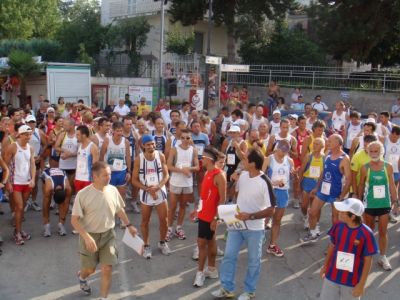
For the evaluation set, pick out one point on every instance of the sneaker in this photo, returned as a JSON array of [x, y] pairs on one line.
[[318, 230], [220, 252], [164, 248], [268, 225], [180, 234], [211, 274], [75, 232], [35, 206], [195, 255], [384, 263], [52, 204], [309, 238], [147, 252], [83, 284], [170, 234], [246, 296], [18, 239], [306, 224], [392, 218], [57, 212], [296, 204], [46, 230], [61, 229], [275, 250], [199, 279], [135, 207], [28, 205], [222, 293], [25, 236]]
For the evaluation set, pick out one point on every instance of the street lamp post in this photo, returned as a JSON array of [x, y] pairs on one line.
[[161, 60], [208, 53]]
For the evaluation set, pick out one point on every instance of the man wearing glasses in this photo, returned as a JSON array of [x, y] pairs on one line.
[[182, 163]]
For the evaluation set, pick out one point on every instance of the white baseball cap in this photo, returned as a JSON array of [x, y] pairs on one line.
[[293, 116], [234, 128], [50, 109], [276, 111], [30, 118], [352, 205], [370, 120], [24, 129]]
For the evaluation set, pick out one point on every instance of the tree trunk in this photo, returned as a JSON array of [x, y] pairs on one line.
[[22, 93], [231, 45]]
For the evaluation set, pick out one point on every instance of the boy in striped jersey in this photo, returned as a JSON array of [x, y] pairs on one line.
[[349, 258]]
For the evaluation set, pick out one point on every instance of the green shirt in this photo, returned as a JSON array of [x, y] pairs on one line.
[[377, 188]]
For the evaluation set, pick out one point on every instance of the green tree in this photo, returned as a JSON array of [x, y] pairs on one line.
[[350, 29], [129, 36], [49, 50], [227, 12], [27, 19], [179, 43], [22, 65], [81, 25], [281, 46]]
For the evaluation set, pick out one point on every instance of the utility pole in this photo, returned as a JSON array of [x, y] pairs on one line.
[[208, 53], [161, 59]]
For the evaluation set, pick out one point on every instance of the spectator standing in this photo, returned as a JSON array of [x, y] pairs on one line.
[[318, 104]]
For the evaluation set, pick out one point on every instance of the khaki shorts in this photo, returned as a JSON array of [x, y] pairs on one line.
[[177, 190], [106, 251]]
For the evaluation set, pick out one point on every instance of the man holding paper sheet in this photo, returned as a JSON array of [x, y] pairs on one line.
[[93, 216], [255, 202]]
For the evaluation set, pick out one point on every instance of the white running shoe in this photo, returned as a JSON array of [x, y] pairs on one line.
[[384, 263], [246, 296], [61, 229], [195, 255], [306, 224], [35, 206], [318, 229], [211, 274], [164, 248], [135, 207], [199, 279], [46, 230], [28, 205], [220, 252], [147, 252], [222, 293]]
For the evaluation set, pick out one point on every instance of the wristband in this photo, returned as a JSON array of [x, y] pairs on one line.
[[129, 225]]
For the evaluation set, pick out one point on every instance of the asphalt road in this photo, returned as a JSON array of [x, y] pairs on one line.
[[45, 268]]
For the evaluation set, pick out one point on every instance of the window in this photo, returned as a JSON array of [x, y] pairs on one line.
[[131, 7], [198, 42]]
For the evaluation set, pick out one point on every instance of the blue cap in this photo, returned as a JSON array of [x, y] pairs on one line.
[[147, 138]]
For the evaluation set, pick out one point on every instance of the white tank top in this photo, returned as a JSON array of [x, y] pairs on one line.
[[392, 153], [279, 171], [184, 158], [351, 134], [151, 173], [71, 145], [275, 128], [116, 155], [84, 163], [338, 121], [22, 163], [35, 142], [279, 138], [100, 139], [309, 124]]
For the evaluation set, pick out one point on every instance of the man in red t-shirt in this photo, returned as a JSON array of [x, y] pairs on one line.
[[212, 194]]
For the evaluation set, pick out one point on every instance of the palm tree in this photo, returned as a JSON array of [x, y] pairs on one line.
[[22, 65]]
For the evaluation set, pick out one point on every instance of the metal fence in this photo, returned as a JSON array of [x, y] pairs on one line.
[[314, 77]]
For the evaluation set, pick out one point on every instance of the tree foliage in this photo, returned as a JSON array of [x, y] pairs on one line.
[[227, 12], [50, 50], [179, 43], [129, 36], [28, 19], [353, 29], [81, 25], [260, 44]]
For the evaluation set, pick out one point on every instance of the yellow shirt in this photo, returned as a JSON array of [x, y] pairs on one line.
[[263, 149], [143, 107], [315, 167], [359, 159]]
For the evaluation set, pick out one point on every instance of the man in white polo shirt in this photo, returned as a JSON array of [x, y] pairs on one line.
[[255, 202], [318, 104], [121, 109]]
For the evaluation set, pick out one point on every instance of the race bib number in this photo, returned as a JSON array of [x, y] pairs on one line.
[[231, 159], [236, 225], [151, 179], [118, 164], [345, 261], [326, 188], [379, 191], [82, 167], [200, 149], [200, 207], [315, 172]]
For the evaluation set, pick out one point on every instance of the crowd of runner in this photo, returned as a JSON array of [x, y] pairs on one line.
[[251, 155]]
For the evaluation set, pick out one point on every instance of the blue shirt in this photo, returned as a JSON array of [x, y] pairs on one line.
[[200, 142]]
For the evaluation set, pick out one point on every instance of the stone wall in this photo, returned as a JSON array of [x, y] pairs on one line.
[[363, 101]]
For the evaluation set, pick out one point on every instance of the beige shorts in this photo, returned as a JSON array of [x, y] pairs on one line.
[[177, 190], [106, 250]]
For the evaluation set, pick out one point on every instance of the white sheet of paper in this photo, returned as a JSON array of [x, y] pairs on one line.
[[345, 261], [136, 243], [227, 213]]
